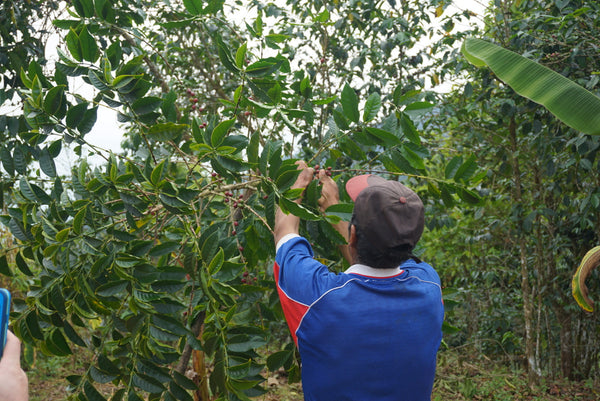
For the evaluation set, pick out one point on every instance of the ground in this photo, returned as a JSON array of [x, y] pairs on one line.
[[459, 377]]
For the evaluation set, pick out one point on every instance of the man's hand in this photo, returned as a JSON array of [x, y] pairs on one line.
[[13, 380], [288, 223], [330, 194], [305, 176]]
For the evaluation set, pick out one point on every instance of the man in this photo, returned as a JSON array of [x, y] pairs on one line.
[[372, 332], [13, 380]]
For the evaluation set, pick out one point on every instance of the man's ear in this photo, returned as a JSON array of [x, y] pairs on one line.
[[352, 239]]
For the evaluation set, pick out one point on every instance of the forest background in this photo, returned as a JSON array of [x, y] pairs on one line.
[[150, 272]]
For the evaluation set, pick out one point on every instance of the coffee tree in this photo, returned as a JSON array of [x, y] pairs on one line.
[[158, 261]]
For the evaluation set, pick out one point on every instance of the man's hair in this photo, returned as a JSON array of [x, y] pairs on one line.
[[370, 256]]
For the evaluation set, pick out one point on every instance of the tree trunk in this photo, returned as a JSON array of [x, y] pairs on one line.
[[533, 369]]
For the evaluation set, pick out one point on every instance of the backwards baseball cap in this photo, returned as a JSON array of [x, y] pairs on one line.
[[386, 212]]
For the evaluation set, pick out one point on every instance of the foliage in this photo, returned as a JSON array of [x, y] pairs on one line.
[[162, 254], [540, 216]]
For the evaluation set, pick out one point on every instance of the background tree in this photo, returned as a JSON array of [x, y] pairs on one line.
[[546, 172]]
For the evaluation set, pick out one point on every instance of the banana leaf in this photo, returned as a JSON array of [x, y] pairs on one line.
[[590, 261], [570, 103]]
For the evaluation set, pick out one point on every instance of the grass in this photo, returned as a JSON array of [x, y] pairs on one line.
[[460, 376]]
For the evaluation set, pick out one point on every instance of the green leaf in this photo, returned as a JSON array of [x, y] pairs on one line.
[[164, 132], [372, 107], [105, 10], [112, 288], [452, 167], [386, 136], [324, 101], [240, 55], [413, 158], [22, 265], [157, 173], [409, 129], [217, 262], [350, 104], [466, 170], [73, 45], [194, 7], [225, 55], [341, 210], [447, 328], [85, 8], [7, 161], [244, 343], [75, 115], [54, 99], [290, 206], [100, 376], [469, 196], [78, 220], [263, 67], [4, 268], [61, 347], [47, 163], [278, 359], [164, 248], [146, 105], [569, 102], [89, 119], [89, 47], [169, 324], [418, 106], [33, 326], [91, 393], [97, 79], [221, 131]]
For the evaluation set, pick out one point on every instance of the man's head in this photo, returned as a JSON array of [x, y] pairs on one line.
[[388, 220]]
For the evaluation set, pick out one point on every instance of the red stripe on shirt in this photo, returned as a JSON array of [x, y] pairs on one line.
[[293, 310]]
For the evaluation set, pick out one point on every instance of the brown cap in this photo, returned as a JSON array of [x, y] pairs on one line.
[[386, 212]]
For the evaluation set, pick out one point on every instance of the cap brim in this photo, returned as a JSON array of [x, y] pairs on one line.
[[356, 184]]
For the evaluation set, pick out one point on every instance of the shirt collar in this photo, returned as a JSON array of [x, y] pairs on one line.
[[364, 270]]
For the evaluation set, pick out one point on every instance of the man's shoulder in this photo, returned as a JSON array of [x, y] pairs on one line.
[[422, 270]]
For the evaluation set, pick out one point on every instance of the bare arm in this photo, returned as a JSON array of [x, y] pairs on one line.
[[288, 223], [330, 195]]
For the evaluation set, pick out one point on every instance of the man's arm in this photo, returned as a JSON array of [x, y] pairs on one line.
[[288, 223], [330, 195]]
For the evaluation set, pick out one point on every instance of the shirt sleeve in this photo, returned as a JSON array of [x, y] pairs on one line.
[[301, 280], [299, 275]]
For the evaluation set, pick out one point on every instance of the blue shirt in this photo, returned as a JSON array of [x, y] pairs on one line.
[[365, 334]]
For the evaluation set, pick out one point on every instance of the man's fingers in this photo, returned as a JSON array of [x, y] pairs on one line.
[[323, 176], [12, 351], [301, 164]]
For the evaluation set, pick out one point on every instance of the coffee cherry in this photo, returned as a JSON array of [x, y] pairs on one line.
[[233, 232], [236, 223]]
